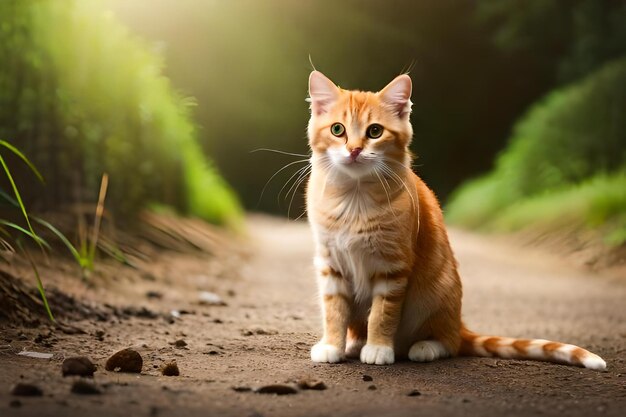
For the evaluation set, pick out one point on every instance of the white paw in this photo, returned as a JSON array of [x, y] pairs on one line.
[[376, 354], [353, 348], [325, 353], [427, 351]]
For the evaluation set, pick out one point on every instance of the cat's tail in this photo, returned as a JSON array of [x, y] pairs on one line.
[[535, 349]]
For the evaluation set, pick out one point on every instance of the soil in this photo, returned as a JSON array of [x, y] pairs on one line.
[[239, 321]]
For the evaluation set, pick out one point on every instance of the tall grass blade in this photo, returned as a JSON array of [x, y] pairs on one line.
[[8, 198], [63, 239], [40, 288], [32, 235], [19, 200], [98, 220], [23, 157]]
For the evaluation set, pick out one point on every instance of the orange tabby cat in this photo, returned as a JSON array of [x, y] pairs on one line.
[[386, 272]]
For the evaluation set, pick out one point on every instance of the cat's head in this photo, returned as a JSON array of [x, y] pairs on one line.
[[359, 133]]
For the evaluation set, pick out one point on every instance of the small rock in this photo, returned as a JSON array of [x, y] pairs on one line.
[[367, 378], [277, 389], [85, 388], [315, 385], [26, 390], [258, 331], [372, 387], [99, 334], [15, 403], [211, 299], [154, 295], [241, 389], [170, 369], [78, 365], [126, 360], [414, 393], [180, 343]]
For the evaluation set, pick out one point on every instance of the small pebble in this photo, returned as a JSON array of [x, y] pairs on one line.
[[15, 403], [170, 369], [126, 360], [312, 385], [372, 387], [78, 365], [154, 294], [367, 378], [414, 393], [277, 389], [85, 388], [26, 390], [180, 343], [210, 298], [241, 389]]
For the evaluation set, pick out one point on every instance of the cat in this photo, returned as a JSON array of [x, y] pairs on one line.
[[386, 273]]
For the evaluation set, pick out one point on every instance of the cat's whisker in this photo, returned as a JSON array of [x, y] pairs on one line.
[[388, 188], [278, 172], [395, 175], [297, 174], [386, 192], [278, 151], [299, 182], [304, 172]]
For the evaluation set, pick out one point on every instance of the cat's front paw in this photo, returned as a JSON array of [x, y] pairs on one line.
[[377, 354], [325, 353]]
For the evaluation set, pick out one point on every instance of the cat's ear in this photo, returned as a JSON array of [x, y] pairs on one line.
[[322, 93], [397, 95]]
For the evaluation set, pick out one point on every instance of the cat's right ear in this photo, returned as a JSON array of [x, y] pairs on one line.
[[322, 93]]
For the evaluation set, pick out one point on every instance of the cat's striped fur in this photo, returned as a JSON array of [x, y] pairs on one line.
[[386, 273]]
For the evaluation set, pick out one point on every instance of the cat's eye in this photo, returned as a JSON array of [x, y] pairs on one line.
[[337, 129], [374, 131]]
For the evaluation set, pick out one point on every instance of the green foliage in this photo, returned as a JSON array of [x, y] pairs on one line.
[[567, 157], [20, 204], [83, 96]]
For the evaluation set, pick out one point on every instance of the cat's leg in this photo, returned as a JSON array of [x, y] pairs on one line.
[[357, 333], [388, 297], [444, 340], [336, 307]]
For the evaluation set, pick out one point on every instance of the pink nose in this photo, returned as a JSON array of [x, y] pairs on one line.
[[354, 153]]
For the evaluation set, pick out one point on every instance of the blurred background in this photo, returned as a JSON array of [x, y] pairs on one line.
[[518, 110]]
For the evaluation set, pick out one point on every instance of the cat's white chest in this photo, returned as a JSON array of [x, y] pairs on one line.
[[357, 257]]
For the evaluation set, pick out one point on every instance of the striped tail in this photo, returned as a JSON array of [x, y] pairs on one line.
[[536, 349]]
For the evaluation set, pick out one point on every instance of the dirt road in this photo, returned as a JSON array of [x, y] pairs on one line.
[[264, 334]]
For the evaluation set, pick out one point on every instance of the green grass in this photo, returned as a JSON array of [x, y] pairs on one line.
[[598, 203], [30, 232], [565, 165], [81, 91]]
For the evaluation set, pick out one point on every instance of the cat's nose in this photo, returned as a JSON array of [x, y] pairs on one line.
[[354, 153]]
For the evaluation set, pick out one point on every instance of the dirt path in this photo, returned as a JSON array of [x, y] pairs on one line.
[[264, 334]]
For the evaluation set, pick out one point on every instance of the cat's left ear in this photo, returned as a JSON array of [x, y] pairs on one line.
[[397, 95], [322, 93]]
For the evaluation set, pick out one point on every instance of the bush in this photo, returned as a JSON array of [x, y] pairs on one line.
[[575, 136], [82, 96]]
